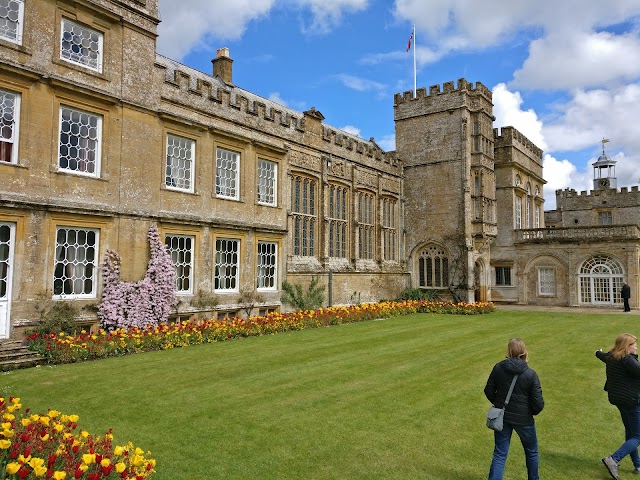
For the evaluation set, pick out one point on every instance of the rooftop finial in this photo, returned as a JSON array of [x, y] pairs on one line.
[[603, 141]]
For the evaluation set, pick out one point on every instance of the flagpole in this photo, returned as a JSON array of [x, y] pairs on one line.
[[414, 60]]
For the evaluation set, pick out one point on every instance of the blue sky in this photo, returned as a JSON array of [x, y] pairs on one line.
[[566, 73]]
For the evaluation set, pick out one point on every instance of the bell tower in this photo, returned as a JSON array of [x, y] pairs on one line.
[[604, 171]]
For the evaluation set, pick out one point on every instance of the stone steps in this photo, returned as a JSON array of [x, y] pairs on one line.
[[14, 354]]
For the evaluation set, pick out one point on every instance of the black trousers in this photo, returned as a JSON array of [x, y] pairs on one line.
[[626, 305]]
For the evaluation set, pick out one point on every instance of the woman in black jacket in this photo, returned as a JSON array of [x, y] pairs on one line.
[[526, 401], [623, 390]]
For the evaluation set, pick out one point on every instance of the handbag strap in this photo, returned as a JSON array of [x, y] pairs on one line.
[[513, 383]]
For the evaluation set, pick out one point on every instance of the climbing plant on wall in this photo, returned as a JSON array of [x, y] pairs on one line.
[[138, 304]]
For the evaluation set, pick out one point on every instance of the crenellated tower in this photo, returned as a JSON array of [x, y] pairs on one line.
[[444, 137]]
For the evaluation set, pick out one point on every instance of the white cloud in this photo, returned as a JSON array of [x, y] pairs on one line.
[[387, 142], [275, 97], [590, 115], [327, 13], [559, 174], [189, 24], [350, 129], [564, 61], [508, 112], [362, 84]]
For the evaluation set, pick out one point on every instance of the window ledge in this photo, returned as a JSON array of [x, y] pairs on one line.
[[80, 68]]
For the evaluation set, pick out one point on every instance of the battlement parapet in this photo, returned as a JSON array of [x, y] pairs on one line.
[[358, 145], [447, 88], [511, 137], [611, 197], [204, 92]]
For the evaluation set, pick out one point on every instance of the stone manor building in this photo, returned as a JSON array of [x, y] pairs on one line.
[[102, 138]]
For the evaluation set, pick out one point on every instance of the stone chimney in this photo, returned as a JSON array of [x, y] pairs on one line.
[[222, 66]]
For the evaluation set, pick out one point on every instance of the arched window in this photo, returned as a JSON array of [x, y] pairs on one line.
[[601, 279], [433, 267]]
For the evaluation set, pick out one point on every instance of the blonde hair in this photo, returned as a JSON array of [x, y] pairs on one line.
[[517, 349], [623, 342]]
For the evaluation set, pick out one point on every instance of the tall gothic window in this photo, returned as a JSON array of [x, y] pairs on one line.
[[389, 228], [303, 206], [337, 221], [433, 267], [366, 215]]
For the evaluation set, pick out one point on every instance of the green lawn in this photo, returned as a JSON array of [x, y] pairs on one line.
[[393, 399]]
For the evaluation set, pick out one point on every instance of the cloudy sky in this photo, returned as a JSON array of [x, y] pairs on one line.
[[566, 73]]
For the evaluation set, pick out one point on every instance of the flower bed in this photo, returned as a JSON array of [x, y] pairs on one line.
[[61, 348], [35, 446]]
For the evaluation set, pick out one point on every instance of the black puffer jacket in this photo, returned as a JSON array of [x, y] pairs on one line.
[[526, 399], [623, 379]]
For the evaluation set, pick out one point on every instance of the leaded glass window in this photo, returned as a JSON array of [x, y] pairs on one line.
[[366, 224], [180, 163], [227, 173], [337, 221], [546, 281], [11, 20], [389, 228], [180, 249], [267, 265], [433, 267], [227, 264], [80, 138], [303, 201], [75, 263], [267, 182], [9, 123], [81, 45]]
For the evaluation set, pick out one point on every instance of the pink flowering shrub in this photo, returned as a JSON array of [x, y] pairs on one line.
[[143, 303]]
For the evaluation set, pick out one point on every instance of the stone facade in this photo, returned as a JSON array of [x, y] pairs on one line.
[[103, 141]]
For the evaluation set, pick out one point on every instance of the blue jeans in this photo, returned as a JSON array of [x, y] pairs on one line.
[[631, 420], [529, 439]]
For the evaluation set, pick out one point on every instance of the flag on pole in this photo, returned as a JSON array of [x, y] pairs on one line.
[[410, 40]]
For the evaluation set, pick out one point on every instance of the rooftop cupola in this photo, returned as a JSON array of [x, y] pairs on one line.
[[604, 171]]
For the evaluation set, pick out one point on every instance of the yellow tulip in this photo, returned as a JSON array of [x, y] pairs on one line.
[[73, 418], [118, 451], [44, 420], [89, 458], [137, 461], [53, 413], [7, 433], [45, 438], [15, 401], [9, 416], [59, 475], [84, 467], [84, 434], [4, 444], [105, 462], [58, 427], [120, 467], [25, 422], [12, 467]]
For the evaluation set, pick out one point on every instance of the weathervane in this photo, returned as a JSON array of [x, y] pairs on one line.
[[603, 141]]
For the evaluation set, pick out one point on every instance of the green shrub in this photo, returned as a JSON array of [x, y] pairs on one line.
[[418, 294], [58, 317], [295, 296]]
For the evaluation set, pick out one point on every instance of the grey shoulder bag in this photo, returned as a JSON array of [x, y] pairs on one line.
[[495, 416]]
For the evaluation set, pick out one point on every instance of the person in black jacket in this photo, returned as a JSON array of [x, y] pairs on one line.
[[623, 390], [625, 293], [526, 401]]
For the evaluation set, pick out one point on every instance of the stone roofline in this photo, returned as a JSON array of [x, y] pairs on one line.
[[195, 82], [447, 88], [572, 193], [510, 136]]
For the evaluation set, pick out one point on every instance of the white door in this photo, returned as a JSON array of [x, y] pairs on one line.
[[7, 232]]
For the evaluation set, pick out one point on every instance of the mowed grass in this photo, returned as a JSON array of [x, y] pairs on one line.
[[400, 398]]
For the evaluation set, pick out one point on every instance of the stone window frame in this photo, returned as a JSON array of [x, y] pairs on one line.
[[547, 283], [304, 216], [61, 258], [266, 193], [233, 183], [338, 205], [14, 141], [366, 223], [604, 214], [184, 265], [19, 22], [527, 207], [518, 212], [226, 274], [267, 273], [433, 267], [503, 275], [64, 27], [169, 178], [98, 140], [390, 228]]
